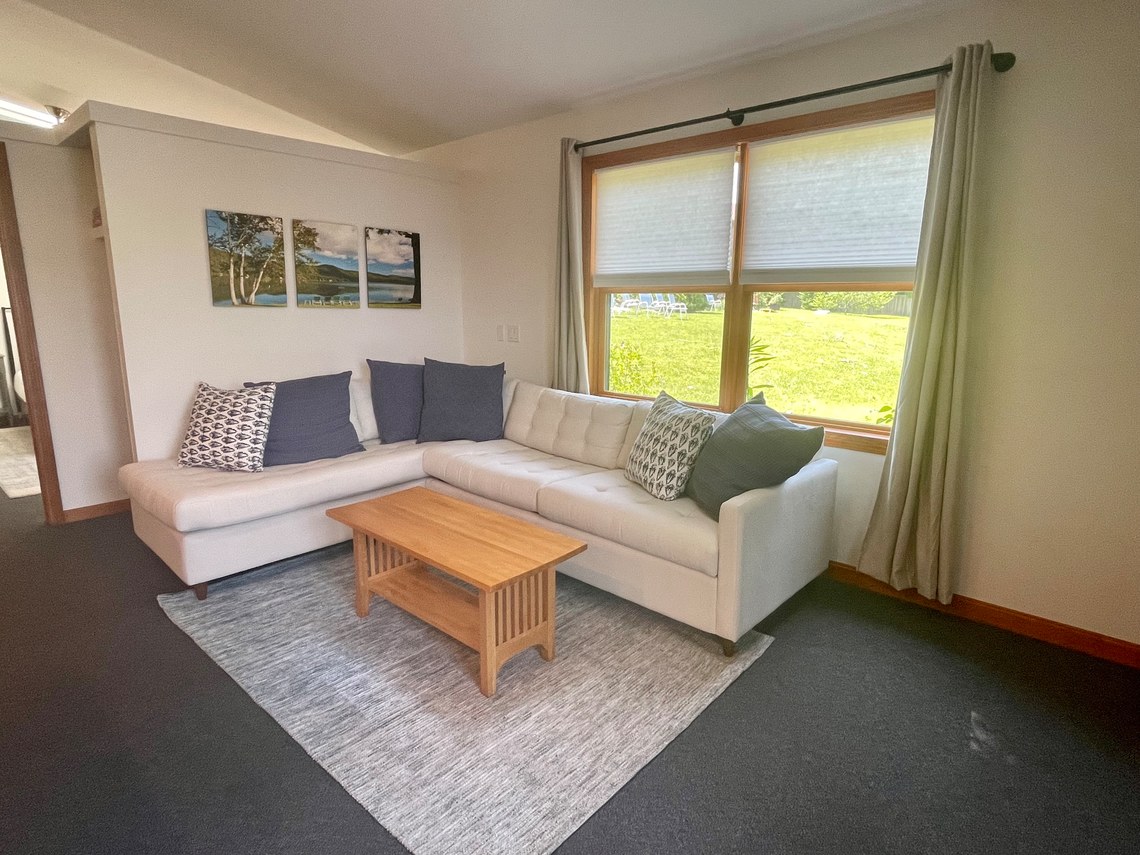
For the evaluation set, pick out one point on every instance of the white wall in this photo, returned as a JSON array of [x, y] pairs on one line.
[[156, 187], [1050, 520], [54, 190]]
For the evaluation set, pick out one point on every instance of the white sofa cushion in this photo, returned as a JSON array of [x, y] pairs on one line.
[[636, 423], [361, 412], [608, 505], [193, 499], [579, 427], [501, 470]]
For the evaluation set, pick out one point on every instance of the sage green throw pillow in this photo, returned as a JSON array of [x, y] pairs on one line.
[[754, 447]]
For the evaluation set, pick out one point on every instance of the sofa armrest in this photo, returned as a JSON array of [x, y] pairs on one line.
[[773, 541]]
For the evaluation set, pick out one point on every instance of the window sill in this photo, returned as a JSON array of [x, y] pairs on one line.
[[855, 440], [869, 440]]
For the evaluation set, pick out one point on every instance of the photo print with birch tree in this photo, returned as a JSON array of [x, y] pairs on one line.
[[247, 259], [326, 259]]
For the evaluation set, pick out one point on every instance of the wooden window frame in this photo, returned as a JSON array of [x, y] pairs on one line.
[[737, 296]]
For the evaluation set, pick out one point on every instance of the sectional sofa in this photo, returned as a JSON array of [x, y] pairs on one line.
[[560, 464]]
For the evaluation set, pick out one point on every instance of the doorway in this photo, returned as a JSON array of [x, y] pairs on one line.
[[24, 420]]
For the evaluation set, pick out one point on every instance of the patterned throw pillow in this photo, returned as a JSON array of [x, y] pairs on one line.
[[228, 428], [665, 449]]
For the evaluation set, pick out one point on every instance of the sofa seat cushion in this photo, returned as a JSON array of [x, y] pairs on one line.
[[501, 470], [609, 506], [193, 499]]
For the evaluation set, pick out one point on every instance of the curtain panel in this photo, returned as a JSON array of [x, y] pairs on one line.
[[912, 534], [570, 364]]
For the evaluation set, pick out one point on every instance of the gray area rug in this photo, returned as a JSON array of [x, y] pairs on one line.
[[18, 475], [391, 708]]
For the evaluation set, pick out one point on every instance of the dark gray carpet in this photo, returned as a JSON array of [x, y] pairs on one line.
[[869, 725]]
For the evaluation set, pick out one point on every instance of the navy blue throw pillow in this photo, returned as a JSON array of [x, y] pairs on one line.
[[397, 399], [310, 420], [754, 447], [461, 402]]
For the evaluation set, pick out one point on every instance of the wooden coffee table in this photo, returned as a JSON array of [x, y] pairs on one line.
[[510, 563]]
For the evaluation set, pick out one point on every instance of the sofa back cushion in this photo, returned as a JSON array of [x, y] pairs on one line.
[[636, 422], [362, 415], [579, 427]]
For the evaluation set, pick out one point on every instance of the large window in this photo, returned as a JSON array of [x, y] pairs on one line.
[[777, 257]]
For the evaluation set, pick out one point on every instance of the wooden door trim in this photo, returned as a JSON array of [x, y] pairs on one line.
[[14, 271]]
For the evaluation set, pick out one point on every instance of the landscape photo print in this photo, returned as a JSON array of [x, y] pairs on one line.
[[393, 268], [247, 259], [326, 260]]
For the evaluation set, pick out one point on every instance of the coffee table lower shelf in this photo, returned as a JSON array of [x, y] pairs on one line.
[[496, 623]]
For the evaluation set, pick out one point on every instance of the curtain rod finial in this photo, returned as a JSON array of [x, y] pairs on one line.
[[1003, 61]]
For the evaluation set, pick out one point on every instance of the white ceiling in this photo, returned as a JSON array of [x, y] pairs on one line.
[[401, 75]]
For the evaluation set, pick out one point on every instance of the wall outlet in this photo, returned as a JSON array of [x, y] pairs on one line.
[[512, 332], [499, 332]]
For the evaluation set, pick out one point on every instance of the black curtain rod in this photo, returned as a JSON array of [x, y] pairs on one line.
[[1001, 62]]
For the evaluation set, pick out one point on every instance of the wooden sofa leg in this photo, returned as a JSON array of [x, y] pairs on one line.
[[729, 647], [200, 590]]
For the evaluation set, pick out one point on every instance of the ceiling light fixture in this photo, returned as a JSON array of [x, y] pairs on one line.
[[14, 111]]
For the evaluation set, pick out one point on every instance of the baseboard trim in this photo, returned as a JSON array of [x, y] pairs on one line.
[[1070, 637], [90, 512]]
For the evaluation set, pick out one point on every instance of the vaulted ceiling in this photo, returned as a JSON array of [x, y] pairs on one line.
[[401, 75]]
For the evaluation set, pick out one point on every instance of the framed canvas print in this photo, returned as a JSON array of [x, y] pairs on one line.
[[326, 260], [393, 268], [247, 259]]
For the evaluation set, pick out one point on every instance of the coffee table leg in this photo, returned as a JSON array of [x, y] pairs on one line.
[[546, 649], [361, 553], [488, 640]]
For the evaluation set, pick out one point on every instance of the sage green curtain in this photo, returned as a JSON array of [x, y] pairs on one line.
[[911, 539], [570, 365]]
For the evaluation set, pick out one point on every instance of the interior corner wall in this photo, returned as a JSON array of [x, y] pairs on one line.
[[55, 192], [156, 188], [1050, 512]]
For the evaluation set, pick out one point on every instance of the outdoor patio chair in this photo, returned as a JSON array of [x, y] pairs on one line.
[[649, 303], [623, 303]]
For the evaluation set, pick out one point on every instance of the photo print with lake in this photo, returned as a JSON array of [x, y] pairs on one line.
[[326, 259], [393, 268], [247, 259]]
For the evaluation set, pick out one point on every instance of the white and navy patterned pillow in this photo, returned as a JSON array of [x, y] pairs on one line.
[[666, 448], [228, 428]]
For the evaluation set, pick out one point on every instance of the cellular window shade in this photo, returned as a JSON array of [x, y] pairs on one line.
[[665, 222], [837, 206]]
